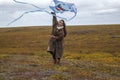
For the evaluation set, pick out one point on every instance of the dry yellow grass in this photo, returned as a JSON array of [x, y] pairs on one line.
[[91, 53]]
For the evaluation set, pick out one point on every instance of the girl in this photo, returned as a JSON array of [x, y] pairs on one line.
[[55, 47]]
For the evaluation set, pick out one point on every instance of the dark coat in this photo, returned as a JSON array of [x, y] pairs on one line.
[[56, 45]]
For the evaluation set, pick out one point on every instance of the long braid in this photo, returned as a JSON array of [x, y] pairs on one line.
[[65, 31]]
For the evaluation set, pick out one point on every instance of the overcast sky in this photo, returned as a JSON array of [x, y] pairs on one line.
[[89, 12]]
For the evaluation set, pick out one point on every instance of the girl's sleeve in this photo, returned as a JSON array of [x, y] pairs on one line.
[[54, 20]]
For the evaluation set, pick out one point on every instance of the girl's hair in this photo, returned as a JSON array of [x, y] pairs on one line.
[[64, 25]]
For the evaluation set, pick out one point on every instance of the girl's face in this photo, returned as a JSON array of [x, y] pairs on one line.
[[60, 23]]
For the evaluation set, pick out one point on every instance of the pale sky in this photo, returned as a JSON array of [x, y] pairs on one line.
[[89, 12]]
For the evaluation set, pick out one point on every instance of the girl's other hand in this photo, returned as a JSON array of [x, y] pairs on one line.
[[54, 36]]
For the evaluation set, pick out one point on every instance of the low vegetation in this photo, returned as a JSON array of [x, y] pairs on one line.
[[90, 53]]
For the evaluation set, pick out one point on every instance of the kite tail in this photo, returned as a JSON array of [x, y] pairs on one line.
[[27, 13], [40, 9], [27, 3], [22, 16], [72, 17]]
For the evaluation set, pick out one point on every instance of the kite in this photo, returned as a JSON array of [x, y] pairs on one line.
[[58, 7], [61, 7]]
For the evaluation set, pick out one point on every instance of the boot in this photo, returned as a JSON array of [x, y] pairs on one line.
[[58, 61], [55, 61]]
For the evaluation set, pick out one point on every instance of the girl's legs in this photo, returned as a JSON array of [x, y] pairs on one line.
[[54, 57], [56, 60]]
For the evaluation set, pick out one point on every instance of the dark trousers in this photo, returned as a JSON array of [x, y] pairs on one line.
[[53, 54]]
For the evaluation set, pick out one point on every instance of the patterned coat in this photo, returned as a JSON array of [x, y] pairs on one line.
[[56, 45]]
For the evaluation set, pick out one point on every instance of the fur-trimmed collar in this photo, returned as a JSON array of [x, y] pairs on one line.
[[60, 27]]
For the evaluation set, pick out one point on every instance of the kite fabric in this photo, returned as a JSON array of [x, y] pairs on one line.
[[59, 7]]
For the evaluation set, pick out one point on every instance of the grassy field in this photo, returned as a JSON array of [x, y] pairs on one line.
[[90, 53]]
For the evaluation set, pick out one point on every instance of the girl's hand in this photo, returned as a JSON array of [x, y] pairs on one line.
[[54, 36], [52, 12]]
